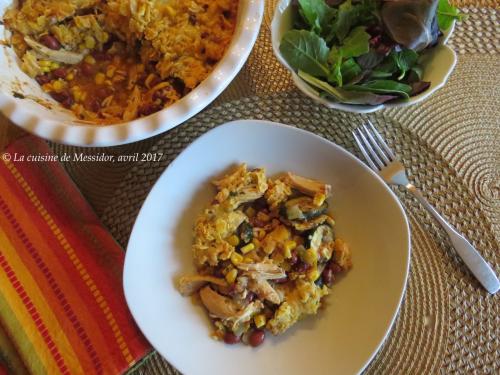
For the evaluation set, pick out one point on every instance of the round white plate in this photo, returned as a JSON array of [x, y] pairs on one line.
[[341, 339]]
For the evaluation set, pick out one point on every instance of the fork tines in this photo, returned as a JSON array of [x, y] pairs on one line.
[[372, 145]]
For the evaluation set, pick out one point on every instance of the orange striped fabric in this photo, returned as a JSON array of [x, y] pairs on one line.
[[62, 309]]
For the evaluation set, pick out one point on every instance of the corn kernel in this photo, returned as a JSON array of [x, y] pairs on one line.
[[248, 260], [110, 72], [54, 65], [233, 240], [231, 276], [310, 257], [250, 212], [259, 320], [58, 85], [44, 63], [100, 78], [259, 233], [89, 60], [236, 258], [45, 69], [89, 42], [319, 199], [263, 217], [289, 246], [256, 242], [70, 77], [313, 275], [247, 248]]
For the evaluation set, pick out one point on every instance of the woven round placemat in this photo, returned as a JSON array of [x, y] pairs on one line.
[[447, 321]]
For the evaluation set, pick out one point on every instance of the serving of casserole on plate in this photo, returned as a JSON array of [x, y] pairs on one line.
[[266, 254]]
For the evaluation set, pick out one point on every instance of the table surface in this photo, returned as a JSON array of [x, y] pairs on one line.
[[460, 123]]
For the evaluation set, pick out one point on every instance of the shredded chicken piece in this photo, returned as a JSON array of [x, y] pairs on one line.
[[264, 290], [189, 285], [268, 271], [306, 185], [219, 306], [61, 55]]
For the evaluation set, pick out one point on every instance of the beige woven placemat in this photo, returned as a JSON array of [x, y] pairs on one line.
[[438, 327], [447, 323]]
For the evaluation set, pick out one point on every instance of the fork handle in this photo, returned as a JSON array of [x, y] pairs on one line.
[[471, 257]]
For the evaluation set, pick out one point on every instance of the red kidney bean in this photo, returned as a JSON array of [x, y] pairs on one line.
[[335, 268], [94, 105], [149, 109], [327, 276], [294, 259], [60, 73], [103, 92], [256, 337], [301, 267], [230, 338], [102, 56], [50, 41], [87, 69], [42, 79], [63, 97]]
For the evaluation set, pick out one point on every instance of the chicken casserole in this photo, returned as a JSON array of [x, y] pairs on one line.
[[110, 61], [265, 252]]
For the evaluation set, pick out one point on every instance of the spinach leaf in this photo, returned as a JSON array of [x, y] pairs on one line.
[[306, 51], [404, 60], [446, 13], [335, 59], [317, 14], [357, 43], [349, 16], [416, 74], [350, 70], [382, 87]]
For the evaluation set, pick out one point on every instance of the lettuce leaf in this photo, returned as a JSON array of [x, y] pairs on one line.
[[306, 51], [446, 14]]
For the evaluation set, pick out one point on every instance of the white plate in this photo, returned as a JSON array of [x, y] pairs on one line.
[[362, 306], [438, 63], [60, 125]]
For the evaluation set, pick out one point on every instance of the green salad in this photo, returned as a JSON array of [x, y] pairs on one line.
[[364, 51]]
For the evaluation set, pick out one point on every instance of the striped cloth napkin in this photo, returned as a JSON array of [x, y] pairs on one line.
[[62, 308]]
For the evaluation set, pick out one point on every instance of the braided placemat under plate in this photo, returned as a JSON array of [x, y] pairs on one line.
[[447, 321]]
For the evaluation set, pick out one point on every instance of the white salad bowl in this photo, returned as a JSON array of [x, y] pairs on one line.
[[23, 101], [344, 336], [437, 62]]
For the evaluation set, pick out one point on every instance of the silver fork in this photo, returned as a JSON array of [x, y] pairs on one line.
[[383, 161]]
